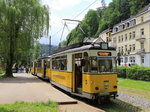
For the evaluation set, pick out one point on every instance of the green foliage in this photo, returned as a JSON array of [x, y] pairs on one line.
[[1, 71], [21, 22], [36, 52], [121, 71], [137, 5], [30, 107], [134, 72], [97, 21], [89, 25]]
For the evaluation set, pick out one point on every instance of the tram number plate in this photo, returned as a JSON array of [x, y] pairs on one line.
[[103, 93]]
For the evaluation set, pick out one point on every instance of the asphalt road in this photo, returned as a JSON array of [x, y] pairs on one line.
[[28, 88]]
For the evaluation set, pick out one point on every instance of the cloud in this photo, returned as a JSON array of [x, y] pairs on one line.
[[61, 4]]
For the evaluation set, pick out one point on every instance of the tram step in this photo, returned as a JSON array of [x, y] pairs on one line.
[[79, 90], [77, 94]]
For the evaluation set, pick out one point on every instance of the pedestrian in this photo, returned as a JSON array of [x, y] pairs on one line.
[[16, 66], [129, 64], [20, 68], [27, 69]]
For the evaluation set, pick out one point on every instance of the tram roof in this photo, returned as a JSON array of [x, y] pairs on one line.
[[44, 57], [81, 47]]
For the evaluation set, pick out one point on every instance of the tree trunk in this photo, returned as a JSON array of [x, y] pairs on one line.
[[9, 63], [9, 69]]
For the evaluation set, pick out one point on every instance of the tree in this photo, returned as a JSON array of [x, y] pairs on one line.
[[89, 25], [21, 21], [36, 50], [137, 5]]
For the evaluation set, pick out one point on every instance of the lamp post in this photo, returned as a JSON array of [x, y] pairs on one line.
[[118, 58]]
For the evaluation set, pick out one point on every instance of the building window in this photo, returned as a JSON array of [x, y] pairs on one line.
[[133, 34], [142, 45], [122, 38], [119, 39], [126, 37], [128, 24], [142, 31], [134, 22], [116, 29], [122, 50], [123, 26], [119, 49], [142, 19], [130, 47], [133, 46], [126, 48], [121, 60], [132, 59], [142, 59], [130, 35], [126, 59], [114, 40]]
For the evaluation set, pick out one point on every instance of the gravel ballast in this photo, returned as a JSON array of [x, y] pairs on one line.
[[134, 100]]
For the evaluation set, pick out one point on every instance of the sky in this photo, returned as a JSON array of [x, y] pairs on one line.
[[66, 9]]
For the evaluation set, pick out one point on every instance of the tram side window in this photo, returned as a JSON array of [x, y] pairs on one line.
[[47, 64], [39, 63], [93, 63], [35, 64], [32, 64], [53, 64], [59, 63], [63, 64]]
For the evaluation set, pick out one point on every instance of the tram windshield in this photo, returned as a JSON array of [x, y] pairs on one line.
[[102, 64]]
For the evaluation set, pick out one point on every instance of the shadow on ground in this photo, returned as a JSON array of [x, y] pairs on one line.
[[21, 79]]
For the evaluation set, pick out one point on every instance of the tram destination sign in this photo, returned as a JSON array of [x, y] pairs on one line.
[[104, 53]]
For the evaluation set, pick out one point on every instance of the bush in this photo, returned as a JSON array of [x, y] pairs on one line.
[[122, 71], [134, 72], [1, 71]]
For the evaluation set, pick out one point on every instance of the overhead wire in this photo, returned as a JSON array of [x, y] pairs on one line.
[[85, 9], [73, 18]]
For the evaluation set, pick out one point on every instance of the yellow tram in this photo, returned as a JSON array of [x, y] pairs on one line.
[[41, 67], [84, 69]]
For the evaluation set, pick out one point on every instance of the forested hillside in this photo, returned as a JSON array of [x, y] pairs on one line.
[[95, 21], [46, 50]]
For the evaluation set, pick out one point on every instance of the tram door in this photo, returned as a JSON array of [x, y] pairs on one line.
[[44, 68], [77, 73]]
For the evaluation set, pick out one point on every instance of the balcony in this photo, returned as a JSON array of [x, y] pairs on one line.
[[141, 38], [140, 51]]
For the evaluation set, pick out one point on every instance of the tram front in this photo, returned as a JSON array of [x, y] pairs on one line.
[[99, 74]]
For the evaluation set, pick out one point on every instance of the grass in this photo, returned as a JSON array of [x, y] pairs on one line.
[[135, 87], [30, 107], [135, 84], [1, 73]]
